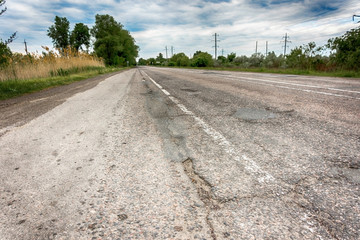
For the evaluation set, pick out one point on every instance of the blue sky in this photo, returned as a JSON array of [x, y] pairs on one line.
[[189, 25]]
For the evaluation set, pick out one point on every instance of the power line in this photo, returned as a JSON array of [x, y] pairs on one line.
[[166, 49], [286, 37], [356, 16], [26, 50], [266, 52], [216, 45]]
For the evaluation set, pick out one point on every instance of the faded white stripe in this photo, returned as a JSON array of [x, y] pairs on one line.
[[250, 165]]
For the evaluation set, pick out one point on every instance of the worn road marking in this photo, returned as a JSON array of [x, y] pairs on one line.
[[251, 80], [250, 165]]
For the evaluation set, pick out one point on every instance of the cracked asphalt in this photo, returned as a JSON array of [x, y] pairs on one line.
[[160, 153]]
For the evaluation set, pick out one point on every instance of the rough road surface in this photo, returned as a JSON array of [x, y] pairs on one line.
[[156, 153]]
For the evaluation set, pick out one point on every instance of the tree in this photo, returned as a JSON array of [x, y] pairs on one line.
[[142, 61], [272, 61], [80, 36], [151, 61], [59, 32], [2, 2], [346, 49], [5, 51], [180, 59], [202, 59], [112, 42], [222, 59], [231, 57], [160, 58], [296, 58]]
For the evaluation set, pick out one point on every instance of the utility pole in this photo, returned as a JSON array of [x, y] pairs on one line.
[[172, 51], [26, 50], [166, 49], [266, 52], [222, 52], [216, 45], [256, 48], [286, 41], [356, 16]]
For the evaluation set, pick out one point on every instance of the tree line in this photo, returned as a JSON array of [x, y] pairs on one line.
[[343, 53], [112, 42], [4, 49]]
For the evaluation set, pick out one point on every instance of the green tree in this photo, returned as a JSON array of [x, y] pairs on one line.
[[222, 59], [142, 61], [180, 59], [2, 2], [272, 61], [346, 49], [80, 36], [151, 61], [160, 59], [59, 33], [296, 58], [202, 59], [112, 42], [5, 52], [231, 57]]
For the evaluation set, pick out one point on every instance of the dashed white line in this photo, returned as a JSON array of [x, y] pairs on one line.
[[251, 80], [250, 165]]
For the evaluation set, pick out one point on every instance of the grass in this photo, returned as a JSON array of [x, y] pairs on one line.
[[34, 72], [18, 87], [47, 64]]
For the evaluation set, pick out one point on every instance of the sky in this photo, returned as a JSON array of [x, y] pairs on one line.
[[189, 25]]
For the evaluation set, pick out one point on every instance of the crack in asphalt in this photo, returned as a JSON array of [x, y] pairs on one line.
[[203, 188]]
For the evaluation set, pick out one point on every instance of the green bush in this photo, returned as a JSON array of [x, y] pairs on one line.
[[202, 59]]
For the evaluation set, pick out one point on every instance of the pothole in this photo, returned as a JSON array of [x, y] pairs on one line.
[[254, 114], [190, 91]]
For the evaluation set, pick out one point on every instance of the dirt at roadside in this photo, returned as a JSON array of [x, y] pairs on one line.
[[20, 110]]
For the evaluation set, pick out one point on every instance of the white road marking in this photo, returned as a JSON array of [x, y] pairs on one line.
[[343, 90], [295, 84], [250, 165], [247, 79], [298, 89]]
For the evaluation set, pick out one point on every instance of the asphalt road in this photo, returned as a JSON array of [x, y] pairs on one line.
[[157, 153]]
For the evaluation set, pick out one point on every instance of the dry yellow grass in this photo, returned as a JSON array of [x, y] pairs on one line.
[[48, 64]]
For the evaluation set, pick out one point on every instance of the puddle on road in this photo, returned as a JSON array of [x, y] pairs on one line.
[[254, 114]]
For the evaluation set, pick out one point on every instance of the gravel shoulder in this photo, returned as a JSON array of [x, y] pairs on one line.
[[20, 110]]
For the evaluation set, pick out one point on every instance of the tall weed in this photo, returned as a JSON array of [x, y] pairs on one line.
[[48, 64]]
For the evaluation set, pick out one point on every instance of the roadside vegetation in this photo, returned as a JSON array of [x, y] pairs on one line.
[[70, 60], [340, 57]]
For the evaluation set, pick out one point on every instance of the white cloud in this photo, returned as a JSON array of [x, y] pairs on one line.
[[188, 25]]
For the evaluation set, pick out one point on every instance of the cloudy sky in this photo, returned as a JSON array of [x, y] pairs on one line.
[[189, 25]]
